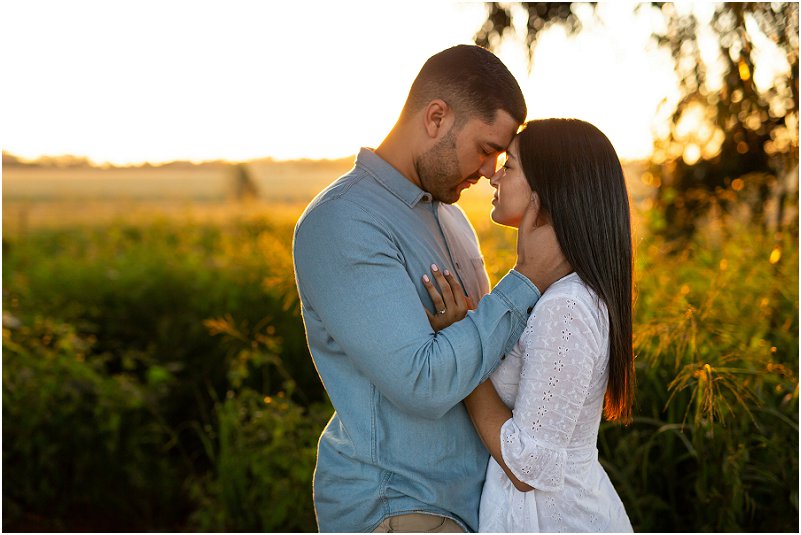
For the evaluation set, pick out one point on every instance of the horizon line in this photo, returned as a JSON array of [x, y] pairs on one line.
[[66, 160], [76, 160]]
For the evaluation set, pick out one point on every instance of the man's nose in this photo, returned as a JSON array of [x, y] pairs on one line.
[[489, 166]]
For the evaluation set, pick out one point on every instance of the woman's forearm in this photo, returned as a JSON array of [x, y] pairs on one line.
[[489, 414]]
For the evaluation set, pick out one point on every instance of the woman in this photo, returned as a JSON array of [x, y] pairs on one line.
[[574, 360]]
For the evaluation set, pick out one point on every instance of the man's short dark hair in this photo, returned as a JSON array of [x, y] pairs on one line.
[[472, 80]]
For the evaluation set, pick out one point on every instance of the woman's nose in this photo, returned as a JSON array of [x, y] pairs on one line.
[[496, 176]]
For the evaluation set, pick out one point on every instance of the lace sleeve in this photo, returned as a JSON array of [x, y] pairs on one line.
[[561, 347]]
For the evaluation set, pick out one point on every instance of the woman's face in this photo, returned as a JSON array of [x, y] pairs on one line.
[[512, 192]]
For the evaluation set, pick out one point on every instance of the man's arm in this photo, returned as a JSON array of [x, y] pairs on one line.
[[352, 275]]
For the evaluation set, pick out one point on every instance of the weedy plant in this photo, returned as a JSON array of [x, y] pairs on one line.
[[716, 338], [156, 377], [714, 442], [112, 364]]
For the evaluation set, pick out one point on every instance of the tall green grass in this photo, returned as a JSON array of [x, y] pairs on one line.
[[156, 377], [714, 442], [714, 446], [121, 376]]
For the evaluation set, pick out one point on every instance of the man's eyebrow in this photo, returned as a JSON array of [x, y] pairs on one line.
[[496, 147]]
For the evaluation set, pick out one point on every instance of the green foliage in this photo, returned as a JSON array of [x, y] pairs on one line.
[[714, 442], [262, 448], [118, 363], [82, 448], [725, 130], [729, 126], [716, 438], [145, 290], [156, 377], [263, 451]]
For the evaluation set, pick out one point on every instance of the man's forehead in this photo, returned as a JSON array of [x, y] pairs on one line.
[[497, 135]]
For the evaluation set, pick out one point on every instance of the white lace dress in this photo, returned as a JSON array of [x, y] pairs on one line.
[[554, 381]]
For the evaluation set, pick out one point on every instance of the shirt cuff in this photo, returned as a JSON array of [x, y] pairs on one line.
[[520, 293]]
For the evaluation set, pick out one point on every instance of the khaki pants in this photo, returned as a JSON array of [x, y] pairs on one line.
[[418, 523]]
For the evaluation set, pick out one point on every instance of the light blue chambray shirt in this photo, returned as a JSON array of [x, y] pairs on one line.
[[400, 440]]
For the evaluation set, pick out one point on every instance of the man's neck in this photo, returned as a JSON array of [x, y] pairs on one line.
[[396, 150]]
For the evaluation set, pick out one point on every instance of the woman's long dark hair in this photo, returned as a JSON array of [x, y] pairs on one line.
[[576, 173]]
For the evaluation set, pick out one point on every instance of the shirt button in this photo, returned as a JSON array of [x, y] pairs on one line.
[[503, 357], [530, 309]]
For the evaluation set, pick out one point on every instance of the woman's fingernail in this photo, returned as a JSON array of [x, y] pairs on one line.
[[434, 267], [447, 273], [425, 278]]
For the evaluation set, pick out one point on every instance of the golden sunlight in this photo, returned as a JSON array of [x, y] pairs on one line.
[[243, 82]]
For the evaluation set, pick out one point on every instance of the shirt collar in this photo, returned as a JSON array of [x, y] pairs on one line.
[[390, 178]]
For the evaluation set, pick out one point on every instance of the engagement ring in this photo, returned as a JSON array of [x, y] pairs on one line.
[[442, 311]]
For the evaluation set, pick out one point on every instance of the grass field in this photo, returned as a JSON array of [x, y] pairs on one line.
[[156, 376]]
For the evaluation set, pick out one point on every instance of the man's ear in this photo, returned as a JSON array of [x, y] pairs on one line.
[[437, 118]]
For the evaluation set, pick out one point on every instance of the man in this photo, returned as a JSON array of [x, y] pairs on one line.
[[400, 453]]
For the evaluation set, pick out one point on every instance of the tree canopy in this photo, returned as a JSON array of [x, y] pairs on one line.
[[729, 142]]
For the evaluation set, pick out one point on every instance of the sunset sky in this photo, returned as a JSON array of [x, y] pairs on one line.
[[128, 82]]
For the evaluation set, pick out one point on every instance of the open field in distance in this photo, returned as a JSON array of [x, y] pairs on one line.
[[52, 196]]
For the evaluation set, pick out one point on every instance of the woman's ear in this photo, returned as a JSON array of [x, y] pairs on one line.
[[543, 218]]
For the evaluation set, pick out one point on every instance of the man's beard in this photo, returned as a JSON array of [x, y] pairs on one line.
[[438, 169]]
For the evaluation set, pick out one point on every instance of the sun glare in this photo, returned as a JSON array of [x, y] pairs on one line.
[[247, 80], [602, 76]]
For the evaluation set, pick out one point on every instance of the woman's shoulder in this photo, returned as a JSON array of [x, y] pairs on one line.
[[570, 307], [572, 293]]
